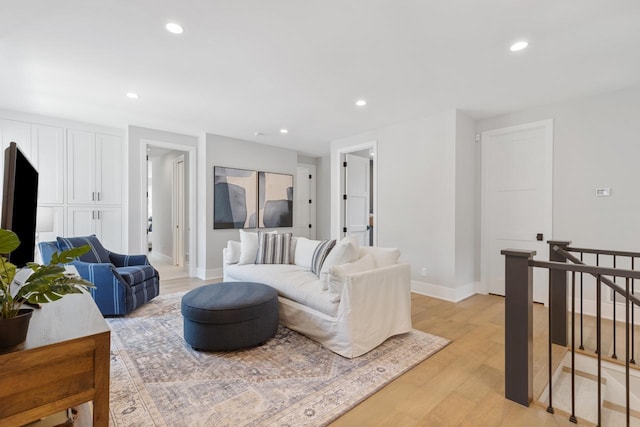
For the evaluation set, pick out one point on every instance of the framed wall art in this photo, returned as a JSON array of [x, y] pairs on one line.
[[234, 198], [275, 200]]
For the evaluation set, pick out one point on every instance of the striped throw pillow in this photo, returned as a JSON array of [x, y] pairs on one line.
[[273, 248], [320, 254]]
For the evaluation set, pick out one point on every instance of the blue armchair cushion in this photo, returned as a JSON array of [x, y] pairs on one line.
[[133, 275], [97, 253]]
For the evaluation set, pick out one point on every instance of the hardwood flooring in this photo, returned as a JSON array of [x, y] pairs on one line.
[[463, 384]]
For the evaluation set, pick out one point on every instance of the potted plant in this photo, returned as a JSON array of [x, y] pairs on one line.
[[45, 284]]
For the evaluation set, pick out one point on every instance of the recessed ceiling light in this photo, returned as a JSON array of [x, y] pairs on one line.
[[133, 95], [174, 28], [518, 46], [284, 131], [361, 102]]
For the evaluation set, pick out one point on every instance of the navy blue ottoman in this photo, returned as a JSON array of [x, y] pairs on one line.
[[229, 316]]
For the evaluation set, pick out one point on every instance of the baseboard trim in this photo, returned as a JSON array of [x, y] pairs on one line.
[[443, 292], [166, 259], [211, 274]]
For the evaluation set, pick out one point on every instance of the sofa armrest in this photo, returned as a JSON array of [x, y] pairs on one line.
[[120, 260], [379, 301], [96, 273]]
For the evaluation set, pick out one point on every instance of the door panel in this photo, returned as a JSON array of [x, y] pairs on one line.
[[302, 207], [357, 203], [109, 169], [48, 147], [81, 163], [517, 197]]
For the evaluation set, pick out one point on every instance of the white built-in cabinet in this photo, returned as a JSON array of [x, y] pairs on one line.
[[94, 186], [80, 178], [95, 168], [103, 221]]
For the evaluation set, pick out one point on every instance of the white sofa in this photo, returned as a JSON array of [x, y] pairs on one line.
[[348, 312]]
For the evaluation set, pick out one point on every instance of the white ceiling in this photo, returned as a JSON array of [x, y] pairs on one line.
[[245, 66]]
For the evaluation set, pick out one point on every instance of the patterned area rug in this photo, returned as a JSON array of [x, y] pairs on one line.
[[158, 380]]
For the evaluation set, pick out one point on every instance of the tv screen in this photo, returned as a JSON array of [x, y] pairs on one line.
[[19, 203]]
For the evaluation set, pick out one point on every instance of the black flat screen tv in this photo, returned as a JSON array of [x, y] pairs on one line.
[[19, 203]]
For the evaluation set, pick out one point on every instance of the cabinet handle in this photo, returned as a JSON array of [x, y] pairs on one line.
[[93, 214], [98, 214], [98, 196], [93, 196]]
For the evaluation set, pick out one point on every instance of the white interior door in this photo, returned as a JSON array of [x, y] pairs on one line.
[[178, 204], [516, 200], [357, 202]]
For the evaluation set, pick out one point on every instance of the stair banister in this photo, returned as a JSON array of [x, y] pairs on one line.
[[518, 325]]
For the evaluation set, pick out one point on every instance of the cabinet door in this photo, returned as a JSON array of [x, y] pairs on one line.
[[109, 169], [48, 146], [18, 132], [81, 173], [80, 221], [109, 228]]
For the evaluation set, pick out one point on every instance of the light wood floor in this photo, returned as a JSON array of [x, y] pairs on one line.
[[463, 384]]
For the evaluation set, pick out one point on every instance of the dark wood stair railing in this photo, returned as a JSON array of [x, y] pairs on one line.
[[519, 266]]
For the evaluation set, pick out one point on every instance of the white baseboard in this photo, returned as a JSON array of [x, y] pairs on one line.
[[211, 274], [443, 292], [162, 257]]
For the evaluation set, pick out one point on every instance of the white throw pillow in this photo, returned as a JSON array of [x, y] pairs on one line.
[[304, 251], [346, 250], [383, 256], [339, 273], [233, 252], [249, 246]]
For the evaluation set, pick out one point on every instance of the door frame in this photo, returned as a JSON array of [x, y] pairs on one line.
[[177, 204], [484, 191], [313, 195], [191, 156], [337, 216]]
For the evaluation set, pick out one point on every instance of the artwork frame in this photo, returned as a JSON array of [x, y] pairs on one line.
[[275, 200], [235, 197]]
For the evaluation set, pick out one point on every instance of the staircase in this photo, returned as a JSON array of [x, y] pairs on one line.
[[591, 387], [586, 391]]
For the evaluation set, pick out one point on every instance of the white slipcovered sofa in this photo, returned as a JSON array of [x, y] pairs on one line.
[[360, 297]]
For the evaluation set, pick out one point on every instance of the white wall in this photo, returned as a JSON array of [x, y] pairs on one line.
[[467, 235], [235, 153], [323, 190], [595, 145], [418, 179]]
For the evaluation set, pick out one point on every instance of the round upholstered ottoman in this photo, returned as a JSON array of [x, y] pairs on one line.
[[229, 316]]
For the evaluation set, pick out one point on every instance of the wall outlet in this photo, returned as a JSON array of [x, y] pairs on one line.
[[423, 272]]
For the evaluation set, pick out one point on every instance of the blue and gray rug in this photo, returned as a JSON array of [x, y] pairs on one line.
[[158, 380]]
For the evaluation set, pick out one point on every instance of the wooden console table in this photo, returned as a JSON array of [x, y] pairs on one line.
[[64, 362]]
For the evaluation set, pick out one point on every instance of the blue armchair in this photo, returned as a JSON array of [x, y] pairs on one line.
[[123, 282]]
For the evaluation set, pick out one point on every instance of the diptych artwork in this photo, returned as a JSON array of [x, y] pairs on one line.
[[275, 200], [249, 199], [234, 198]]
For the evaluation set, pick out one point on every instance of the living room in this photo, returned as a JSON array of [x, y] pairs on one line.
[[267, 88]]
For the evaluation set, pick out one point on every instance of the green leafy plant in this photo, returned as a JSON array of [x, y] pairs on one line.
[[45, 284]]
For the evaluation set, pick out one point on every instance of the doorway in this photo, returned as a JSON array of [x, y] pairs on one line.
[[516, 212], [357, 197], [169, 207]]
